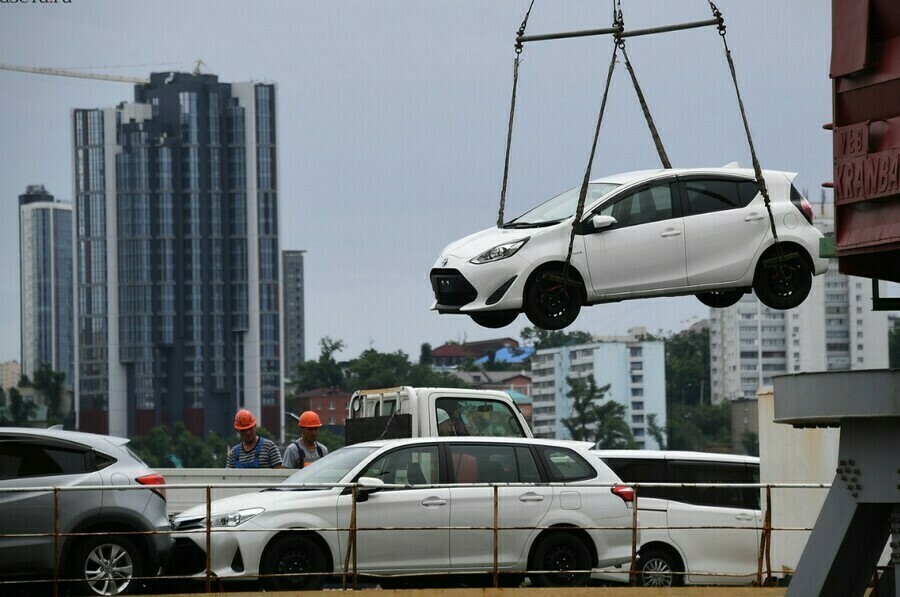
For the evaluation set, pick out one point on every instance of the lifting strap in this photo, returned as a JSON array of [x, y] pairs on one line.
[[512, 111], [760, 181], [620, 42]]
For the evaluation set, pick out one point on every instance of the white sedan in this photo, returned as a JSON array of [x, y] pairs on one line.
[[288, 531], [672, 232]]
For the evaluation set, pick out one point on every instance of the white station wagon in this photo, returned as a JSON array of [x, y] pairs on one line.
[[285, 530], [672, 232]]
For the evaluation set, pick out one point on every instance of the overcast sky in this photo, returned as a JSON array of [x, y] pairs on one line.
[[393, 120]]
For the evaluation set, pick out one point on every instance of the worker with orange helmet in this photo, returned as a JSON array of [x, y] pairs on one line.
[[306, 449], [252, 451]]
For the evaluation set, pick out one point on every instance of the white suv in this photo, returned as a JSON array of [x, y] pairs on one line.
[[672, 555], [672, 232], [287, 530]]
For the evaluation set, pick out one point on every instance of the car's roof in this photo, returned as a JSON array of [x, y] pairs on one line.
[[477, 439], [675, 455], [90, 439], [638, 175]]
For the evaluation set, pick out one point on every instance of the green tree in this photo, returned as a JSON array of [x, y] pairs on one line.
[[551, 339], [687, 368], [164, 449], [52, 385], [894, 348], [373, 369], [425, 357], [20, 409], [701, 427], [750, 441], [656, 432], [325, 372], [593, 420]]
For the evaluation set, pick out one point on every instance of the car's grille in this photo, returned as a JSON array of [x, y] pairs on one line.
[[186, 524], [451, 289], [187, 559]]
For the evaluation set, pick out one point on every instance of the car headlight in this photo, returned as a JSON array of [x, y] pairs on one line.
[[500, 252], [233, 519]]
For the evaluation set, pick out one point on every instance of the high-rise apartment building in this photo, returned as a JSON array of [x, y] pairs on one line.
[[834, 329], [293, 311], [176, 206], [633, 366], [45, 283]]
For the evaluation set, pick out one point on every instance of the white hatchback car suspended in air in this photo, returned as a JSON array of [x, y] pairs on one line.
[[643, 234]]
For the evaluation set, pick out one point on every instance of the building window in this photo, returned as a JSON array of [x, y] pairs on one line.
[[637, 406], [331, 405]]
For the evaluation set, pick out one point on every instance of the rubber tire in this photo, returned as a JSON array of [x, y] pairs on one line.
[[720, 299], [548, 305], [784, 286], [106, 545], [494, 319], [294, 554], [561, 551], [658, 560]]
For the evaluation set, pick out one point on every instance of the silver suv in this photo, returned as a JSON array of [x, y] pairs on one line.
[[97, 554]]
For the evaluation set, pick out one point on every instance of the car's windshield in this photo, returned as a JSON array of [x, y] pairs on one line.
[[331, 468], [561, 207]]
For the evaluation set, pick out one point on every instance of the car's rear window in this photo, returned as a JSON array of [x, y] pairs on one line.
[[565, 465]]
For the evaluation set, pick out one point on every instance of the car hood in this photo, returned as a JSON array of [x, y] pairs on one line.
[[269, 499], [476, 244]]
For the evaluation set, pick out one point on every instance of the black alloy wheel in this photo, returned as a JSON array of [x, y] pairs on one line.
[[563, 552], [550, 303], [784, 284], [294, 555], [720, 299]]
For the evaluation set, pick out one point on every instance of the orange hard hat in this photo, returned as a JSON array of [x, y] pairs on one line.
[[310, 419], [244, 419]]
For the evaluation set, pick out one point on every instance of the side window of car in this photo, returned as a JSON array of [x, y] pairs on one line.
[[635, 470], [565, 465], [474, 463], [649, 204], [416, 465], [711, 195], [21, 459], [714, 472], [528, 470]]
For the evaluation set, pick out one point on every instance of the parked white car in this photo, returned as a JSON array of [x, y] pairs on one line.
[[285, 530], [672, 232], [672, 555]]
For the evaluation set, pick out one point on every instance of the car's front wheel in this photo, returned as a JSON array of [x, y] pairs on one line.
[[295, 563], [566, 555], [658, 568], [108, 565], [494, 319], [782, 282], [720, 299], [550, 302]]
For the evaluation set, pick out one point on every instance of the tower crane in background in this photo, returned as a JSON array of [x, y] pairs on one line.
[[61, 72]]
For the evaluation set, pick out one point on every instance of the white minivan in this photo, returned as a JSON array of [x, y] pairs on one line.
[[673, 554]]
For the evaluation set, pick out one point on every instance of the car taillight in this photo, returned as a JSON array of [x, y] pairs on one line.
[[806, 208], [154, 479], [625, 492]]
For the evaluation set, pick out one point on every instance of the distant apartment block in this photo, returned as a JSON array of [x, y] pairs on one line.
[[45, 283], [10, 372], [294, 318], [331, 405], [177, 253], [834, 329], [633, 366]]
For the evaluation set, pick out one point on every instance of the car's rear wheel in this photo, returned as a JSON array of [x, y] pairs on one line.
[[782, 283], [108, 565], [659, 568], [495, 319], [720, 299], [295, 560], [563, 552], [551, 303]]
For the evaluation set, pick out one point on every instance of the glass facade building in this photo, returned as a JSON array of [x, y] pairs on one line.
[[294, 324], [45, 286], [177, 252]]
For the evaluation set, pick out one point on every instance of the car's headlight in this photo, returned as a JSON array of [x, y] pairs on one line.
[[500, 252], [233, 519]]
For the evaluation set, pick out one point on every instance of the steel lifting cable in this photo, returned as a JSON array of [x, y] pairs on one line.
[[512, 111], [760, 181], [620, 42]]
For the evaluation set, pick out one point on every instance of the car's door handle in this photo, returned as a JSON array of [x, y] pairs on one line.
[[670, 232], [433, 502], [753, 217], [531, 497], [743, 517]]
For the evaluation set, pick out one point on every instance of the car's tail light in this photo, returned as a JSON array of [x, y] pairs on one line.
[[154, 479], [807, 210], [625, 492]]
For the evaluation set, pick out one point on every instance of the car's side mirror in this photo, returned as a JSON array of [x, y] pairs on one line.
[[367, 486], [600, 222]]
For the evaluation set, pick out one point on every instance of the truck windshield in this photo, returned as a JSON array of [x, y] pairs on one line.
[[468, 416]]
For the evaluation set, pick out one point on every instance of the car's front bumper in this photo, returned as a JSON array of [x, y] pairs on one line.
[[463, 287], [234, 552]]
